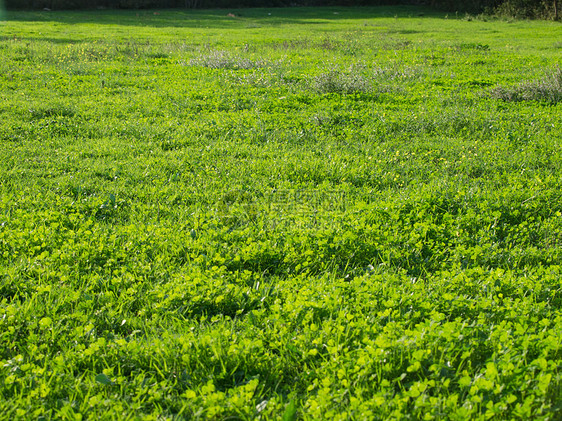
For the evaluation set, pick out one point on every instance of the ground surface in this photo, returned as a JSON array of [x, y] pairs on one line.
[[312, 213]]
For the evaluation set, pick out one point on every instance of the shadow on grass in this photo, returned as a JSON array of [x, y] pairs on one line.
[[222, 18]]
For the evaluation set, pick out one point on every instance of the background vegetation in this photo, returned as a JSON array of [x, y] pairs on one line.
[[516, 8]]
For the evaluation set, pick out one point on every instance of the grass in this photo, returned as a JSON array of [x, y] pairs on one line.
[[332, 213]]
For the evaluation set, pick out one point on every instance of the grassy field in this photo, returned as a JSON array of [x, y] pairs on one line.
[[347, 213]]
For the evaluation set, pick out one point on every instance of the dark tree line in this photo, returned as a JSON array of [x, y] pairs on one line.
[[144, 4], [519, 8]]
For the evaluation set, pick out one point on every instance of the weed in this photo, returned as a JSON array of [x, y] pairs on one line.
[[548, 89], [338, 82], [225, 60]]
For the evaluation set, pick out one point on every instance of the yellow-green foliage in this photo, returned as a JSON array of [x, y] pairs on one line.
[[303, 213]]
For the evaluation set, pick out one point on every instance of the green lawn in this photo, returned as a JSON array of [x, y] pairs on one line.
[[331, 213]]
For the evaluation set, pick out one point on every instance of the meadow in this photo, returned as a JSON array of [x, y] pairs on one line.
[[330, 213]]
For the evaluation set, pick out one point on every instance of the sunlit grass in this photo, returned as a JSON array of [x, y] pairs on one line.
[[313, 213]]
